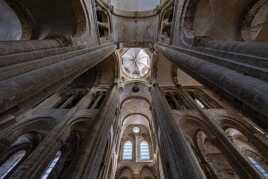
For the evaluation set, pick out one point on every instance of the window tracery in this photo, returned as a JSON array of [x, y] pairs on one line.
[[138, 148]]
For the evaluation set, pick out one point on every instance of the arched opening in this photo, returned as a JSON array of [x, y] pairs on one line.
[[217, 20], [191, 127], [166, 23], [72, 150], [10, 25], [11, 163], [248, 150], [171, 100], [135, 126], [60, 163], [203, 20], [17, 153], [70, 99], [255, 23], [103, 21], [38, 20], [51, 165], [124, 173], [65, 159], [137, 148], [80, 18], [146, 173], [214, 157]]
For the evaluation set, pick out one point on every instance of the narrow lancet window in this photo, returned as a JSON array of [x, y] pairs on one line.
[[127, 150], [259, 167], [199, 103], [51, 165], [11, 163], [144, 151]]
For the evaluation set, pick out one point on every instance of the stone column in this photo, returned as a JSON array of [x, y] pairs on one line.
[[21, 46], [227, 56], [21, 82], [38, 161], [176, 155], [251, 92], [248, 48], [94, 153], [239, 163], [92, 157]]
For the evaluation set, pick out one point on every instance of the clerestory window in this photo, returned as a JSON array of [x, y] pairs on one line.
[[259, 167], [9, 165], [51, 165], [144, 151], [127, 150]]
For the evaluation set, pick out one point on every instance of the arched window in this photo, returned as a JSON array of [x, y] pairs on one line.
[[144, 151], [11, 163], [127, 150], [248, 150], [10, 24], [211, 155], [103, 23], [259, 167], [51, 165]]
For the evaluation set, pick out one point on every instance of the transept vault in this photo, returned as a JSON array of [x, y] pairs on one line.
[[120, 89]]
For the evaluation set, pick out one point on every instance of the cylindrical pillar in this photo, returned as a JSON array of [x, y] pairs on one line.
[[177, 157], [9, 47], [98, 143], [22, 87], [251, 92]]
